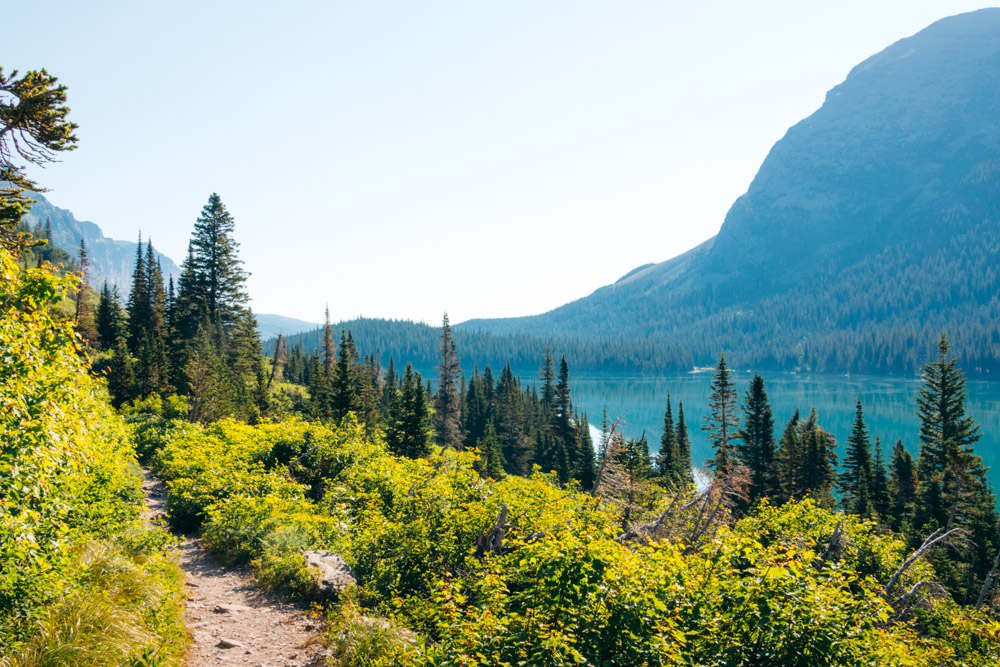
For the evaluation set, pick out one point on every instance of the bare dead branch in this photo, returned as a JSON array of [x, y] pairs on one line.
[[932, 539]]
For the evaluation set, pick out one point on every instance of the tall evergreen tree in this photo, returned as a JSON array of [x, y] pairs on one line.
[[447, 417], [722, 425], [111, 320], [902, 487], [666, 460], [517, 448], [856, 481], [756, 448], [683, 465], [586, 470], [413, 417], [790, 460], [564, 430], [818, 469], [344, 384], [952, 486], [85, 325], [881, 500]]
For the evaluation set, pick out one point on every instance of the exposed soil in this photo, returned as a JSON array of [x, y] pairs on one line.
[[230, 620]]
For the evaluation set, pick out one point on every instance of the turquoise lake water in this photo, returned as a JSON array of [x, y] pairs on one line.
[[889, 406]]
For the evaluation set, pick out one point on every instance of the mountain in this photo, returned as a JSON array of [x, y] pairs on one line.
[[110, 260], [269, 326], [872, 226]]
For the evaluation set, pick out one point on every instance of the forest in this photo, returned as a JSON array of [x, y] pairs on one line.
[[482, 523]]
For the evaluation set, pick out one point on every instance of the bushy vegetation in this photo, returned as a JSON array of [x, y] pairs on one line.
[[455, 569], [82, 581]]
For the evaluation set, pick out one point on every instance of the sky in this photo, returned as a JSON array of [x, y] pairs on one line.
[[404, 158]]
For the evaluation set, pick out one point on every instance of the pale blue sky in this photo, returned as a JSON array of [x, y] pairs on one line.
[[397, 159]]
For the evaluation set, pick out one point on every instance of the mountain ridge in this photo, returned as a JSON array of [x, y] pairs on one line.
[[832, 260]]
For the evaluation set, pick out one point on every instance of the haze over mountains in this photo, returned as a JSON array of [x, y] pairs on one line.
[[110, 260], [871, 227]]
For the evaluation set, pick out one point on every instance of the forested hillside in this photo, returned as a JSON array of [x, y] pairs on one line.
[[872, 226], [417, 343]]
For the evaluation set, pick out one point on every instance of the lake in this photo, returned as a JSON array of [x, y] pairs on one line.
[[889, 405]]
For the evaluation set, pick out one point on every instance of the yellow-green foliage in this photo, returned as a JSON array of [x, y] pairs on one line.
[[69, 485], [769, 590]]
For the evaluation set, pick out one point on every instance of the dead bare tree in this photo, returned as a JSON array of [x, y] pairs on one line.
[[280, 357], [937, 536]]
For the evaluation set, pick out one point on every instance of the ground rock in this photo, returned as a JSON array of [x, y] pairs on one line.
[[335, 574]]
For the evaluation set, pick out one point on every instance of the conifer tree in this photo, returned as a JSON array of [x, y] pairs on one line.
[[85, 325], [475, 411], [111, 320], [415, 442], [517, 448], [881, 500], [447, 417], [722, 425], [855, 482], [666, 460], [138, 307], [586, 470], [344, 384], [790, 460], [756, 448], [490, 463], [564, 430], [683, 465], [121, 375], [952, 486], [817, 473]]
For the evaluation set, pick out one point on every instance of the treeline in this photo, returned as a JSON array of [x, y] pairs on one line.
[[514, 426], [418, 343], [197, 338]]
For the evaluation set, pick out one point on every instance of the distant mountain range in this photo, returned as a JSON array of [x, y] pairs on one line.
[[110, 260], [871, 227], [270, 326]]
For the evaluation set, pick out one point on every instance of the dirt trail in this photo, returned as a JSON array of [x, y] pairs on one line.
[[231, 621]]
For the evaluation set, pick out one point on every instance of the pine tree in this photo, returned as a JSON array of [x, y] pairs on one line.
[[683, 465], [881, 500], [722, 425], [139, 317], [586, 470], [564, 430], [790, 460], [85, 325], [447, 417], [855, 482], [756, 448], [952, 487], [517, 448], [818, 472], [666, 460], [111, 320], [490, 463], [121, 375], [902, 487], [344, 384], [415, 442]]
